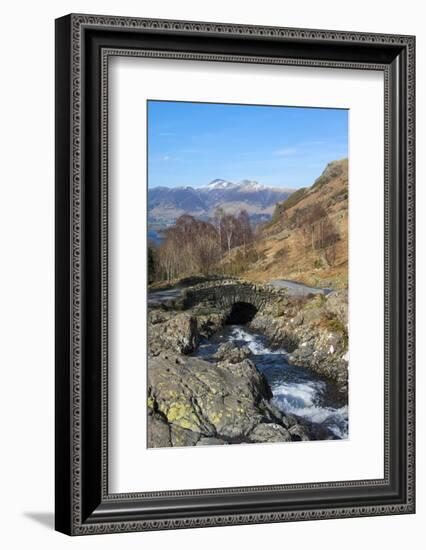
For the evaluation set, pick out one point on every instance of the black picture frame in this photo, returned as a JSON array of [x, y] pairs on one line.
[[83, 45]]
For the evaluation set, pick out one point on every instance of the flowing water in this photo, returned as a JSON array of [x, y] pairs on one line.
[[296, 390]]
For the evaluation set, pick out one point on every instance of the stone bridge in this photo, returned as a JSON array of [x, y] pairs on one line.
[[241, 297]]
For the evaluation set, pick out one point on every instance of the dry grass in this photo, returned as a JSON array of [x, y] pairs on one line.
[[286, 252]]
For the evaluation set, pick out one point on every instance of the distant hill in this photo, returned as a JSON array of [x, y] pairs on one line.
[[307, 238], [166, 204]]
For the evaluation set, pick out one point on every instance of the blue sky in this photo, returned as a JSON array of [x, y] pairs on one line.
[[194, 143]]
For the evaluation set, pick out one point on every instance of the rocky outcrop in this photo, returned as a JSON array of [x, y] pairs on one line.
[[159, 433], [232, 353], [175, 332], [314, 331], [180, 332], [193, 402]]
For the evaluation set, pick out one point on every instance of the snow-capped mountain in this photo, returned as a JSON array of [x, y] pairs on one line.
[[166, 204], [250, 185], [220, 184], [243, 185]]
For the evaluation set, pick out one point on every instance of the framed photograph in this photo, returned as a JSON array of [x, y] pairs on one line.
[[234, 274]]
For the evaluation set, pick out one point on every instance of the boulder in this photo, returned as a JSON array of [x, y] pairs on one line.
[[208, 399], [201, 401], [299, 433], [171, 332], [232, 353]]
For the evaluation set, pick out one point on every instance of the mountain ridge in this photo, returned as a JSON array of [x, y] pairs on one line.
[[306, 239], [166, 204]]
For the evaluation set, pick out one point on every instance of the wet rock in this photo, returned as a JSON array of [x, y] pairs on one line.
[[232, 353], [299, 433]]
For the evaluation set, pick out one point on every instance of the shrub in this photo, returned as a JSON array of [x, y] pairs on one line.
[[242, 261], [281, 253], [294, 198]]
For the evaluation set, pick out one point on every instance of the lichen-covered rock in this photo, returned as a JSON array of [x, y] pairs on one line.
[[199, 400], [183, 438], [174, 332], [179, 332], [158, 430], [205, 398]]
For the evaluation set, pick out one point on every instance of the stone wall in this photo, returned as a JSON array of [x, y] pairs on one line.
[[227, 292]]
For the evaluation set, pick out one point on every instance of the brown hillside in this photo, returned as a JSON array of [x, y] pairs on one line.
[[307, 239]]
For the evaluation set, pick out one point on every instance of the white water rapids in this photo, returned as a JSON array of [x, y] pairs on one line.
[[296, 390]]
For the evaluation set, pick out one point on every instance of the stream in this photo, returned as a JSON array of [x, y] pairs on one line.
[[296, 390]]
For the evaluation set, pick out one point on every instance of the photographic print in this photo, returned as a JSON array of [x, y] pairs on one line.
[[247, 274]]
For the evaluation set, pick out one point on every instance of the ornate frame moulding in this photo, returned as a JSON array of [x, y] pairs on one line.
[[84, 44]]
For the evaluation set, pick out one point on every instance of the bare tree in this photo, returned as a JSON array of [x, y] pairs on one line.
[[245, 230], [229, 227], [219, 214], [190, 247], [194, 246]]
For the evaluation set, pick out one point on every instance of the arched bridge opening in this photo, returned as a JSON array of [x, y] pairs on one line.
[[241, 313]]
